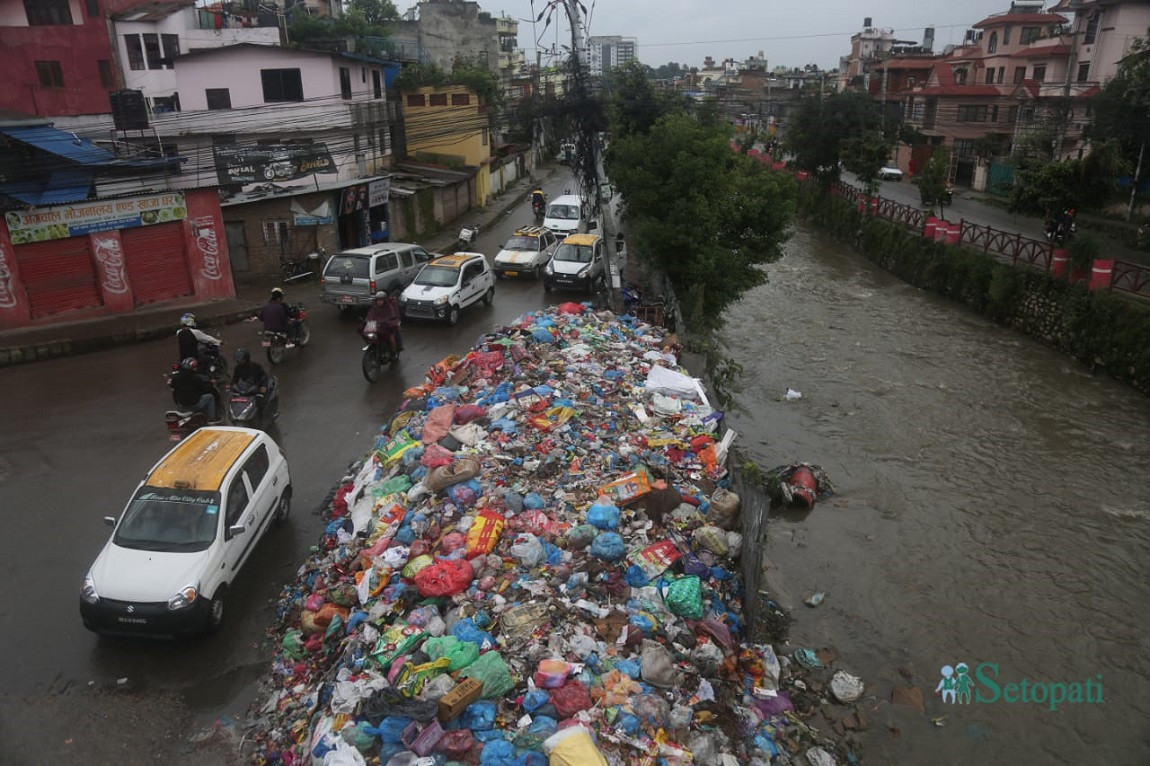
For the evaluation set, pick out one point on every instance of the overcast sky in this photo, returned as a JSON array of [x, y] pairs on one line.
[[788, 33]]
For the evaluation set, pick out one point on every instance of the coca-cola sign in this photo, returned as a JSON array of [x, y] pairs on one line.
[[111, 260], [7, 293], [207, 240]]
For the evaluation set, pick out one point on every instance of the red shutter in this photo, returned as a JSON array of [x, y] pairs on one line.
[[156, 263], [58, 276]]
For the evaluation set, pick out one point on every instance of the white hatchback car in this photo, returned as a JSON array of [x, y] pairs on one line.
[[526, 253], [890, 173], [447, 285], [188, 529]]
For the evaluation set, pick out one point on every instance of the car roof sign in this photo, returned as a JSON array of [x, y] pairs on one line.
[[202, 460]]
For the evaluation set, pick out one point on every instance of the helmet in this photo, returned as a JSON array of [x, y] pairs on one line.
[[189, 363], [380, 295], [277, 292], [243, 356], [188, 320]]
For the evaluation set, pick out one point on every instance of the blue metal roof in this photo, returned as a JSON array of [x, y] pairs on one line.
[[61, 143]]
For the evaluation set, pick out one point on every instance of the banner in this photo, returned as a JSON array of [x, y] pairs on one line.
[[377, 192], [63, 221], [353, 199], [271, 162]]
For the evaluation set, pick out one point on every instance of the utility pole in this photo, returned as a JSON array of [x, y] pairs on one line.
[[1134, 181]]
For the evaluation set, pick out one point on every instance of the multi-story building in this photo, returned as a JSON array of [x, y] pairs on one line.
[[1103, 31], [448, 126], [448, 30], [868, 46], [604, 53]]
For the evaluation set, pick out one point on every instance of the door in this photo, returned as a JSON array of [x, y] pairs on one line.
[[472, 283], [58, 276], [421, 257], [156, 263], [238, 511], [262, 483], [387, 273], [237, 245], [407, 266]]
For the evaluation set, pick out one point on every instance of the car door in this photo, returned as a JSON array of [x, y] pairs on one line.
[[237, 510], [387, 273], [470, 283], [420, 257], [263, 484], [407, 266], [549, 248]]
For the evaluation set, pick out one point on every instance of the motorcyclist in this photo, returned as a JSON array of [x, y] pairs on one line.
[[193, 390], [386, 312], [538, 198], [276, 317], [195, 343], [253, 374]]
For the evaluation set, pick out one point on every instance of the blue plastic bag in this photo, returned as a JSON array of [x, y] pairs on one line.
[[636, 577], [533, 501], [535, 698], [467, 630], [554, 554], [603, 515], [608, 546], [630, 667], [498, 752], [478, 716]]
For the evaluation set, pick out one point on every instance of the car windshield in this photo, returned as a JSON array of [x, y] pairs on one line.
[[172, 520], [522, 243], [564, 212], [437, 276], [349, 265], [573, 253]]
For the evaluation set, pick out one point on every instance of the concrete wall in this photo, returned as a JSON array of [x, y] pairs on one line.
[[450, 29]]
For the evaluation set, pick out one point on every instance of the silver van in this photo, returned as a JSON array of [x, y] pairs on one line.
[[352, 277]]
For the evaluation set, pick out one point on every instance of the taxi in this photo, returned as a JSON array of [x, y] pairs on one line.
[[526, 254]]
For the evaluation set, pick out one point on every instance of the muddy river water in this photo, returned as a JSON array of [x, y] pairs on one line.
[[992, 508]]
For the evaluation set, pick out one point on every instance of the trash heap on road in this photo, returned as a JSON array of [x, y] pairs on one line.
[[536, 564]]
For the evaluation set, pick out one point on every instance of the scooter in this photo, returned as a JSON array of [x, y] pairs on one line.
[[248, 407], [467, 236], [377, 354], [276, 343], [295, 269], [182, 422]]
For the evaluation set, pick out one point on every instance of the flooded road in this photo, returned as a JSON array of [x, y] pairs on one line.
[[992, 508]]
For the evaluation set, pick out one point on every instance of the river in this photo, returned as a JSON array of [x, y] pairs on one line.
[[992, 508]]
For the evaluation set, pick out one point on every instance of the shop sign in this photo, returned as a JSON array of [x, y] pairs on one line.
[[377, 192], [274, 162], [63, 221]]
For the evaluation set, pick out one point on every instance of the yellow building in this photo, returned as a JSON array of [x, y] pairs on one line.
[[448, 125]]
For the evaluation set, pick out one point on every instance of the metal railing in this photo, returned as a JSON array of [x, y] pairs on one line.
[[1007, 245]]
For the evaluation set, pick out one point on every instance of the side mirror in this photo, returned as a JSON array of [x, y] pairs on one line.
[[110, 521]]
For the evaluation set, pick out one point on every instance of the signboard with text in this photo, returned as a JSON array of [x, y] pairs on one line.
[[271, 162], [63, 221]]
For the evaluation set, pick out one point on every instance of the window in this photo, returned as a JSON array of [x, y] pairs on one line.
[[219, 98], [171, 45], [1012, 114], [438, 99], [1019, 74], [237, 499], [345, 83], [969, 113], [106, 78], [257, 466], [376, 85], [990, 75], [276, 232], [50, 74], [165, 104], [282, 85], [1006, 36], [48, 13], [385, 263], [406, 259], [960, 77], [1029, 35], [135, 52], [963, 147], [152, 51], [484, 134], [416, 99], [421, 255], [363, 74], [460, 99], [1091, 28], [994, 113], [1001, 74], [1084, 71], [93, 8], [992, 46], [1040, 72]]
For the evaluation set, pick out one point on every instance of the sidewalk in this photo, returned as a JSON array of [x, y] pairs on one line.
[[29, 344]]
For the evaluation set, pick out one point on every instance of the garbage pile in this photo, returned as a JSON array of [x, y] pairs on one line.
[[536, 564]]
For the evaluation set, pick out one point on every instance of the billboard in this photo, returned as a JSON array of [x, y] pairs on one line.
[[271, 162]]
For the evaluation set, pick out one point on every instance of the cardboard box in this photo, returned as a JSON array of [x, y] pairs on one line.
[[455, 701]]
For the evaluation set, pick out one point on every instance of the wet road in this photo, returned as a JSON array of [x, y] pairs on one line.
[[993, 507], [82, 431]]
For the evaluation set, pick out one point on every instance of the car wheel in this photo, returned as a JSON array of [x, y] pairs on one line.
[[284, 509], [216, 611], [489, 296], [453, 315]]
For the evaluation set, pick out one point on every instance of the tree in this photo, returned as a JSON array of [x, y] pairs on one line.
[[376, 13], [844, 128], [1043, 187], [1122, 111], [636, 104], [932, 181]]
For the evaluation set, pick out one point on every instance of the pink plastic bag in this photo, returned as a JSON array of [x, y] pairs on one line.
[[468, 413], [438, 422], [551, 674], [435, 455], [570, 698]]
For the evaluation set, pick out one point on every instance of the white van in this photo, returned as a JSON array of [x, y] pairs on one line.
[[564, 215]]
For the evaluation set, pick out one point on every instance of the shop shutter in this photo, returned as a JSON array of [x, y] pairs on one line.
[[58, 276], [156, 263]]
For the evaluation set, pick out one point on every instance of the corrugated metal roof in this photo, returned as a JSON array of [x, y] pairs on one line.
[[61, 143]]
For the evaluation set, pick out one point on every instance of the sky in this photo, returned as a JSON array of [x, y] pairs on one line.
[[791, 34]]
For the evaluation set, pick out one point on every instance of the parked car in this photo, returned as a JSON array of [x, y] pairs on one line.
[[186, 532], [448, 285], [526, 253], [579, 263], [352, 277], [564, 215], [890, 173]]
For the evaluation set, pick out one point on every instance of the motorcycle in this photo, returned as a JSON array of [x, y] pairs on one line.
[[467, 236], [276, 343], [377, 354], [295, 269], [537, 209], [181, 420], [248, 407]]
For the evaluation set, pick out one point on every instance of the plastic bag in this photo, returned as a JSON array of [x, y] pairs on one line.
[[465, 493], [570, 698], [444, 578], [527, 550], [466, 630], [459, 653], [437, 423], [608, 546], [442, 477], [658, 666], [684, 598], [581, 536], [417, 565], [724, 511], [551, 674], [573, 746], [478, 716], [712, 539], [484, 533], [468, 413], [603, 514], [492, 670]]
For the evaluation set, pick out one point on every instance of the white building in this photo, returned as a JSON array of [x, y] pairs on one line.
[[607, 52]]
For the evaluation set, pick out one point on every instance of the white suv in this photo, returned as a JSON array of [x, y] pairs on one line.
[[189, 527], [447, 285]]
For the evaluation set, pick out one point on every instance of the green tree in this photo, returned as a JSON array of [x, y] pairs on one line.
[[635, 104], [933, 178], [1122, 110], [844, 128], [1043, 187], [376, 13]]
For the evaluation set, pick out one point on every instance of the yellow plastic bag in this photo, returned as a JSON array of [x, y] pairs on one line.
[[572, 746]]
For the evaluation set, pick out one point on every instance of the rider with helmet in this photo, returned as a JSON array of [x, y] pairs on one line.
[[277, 317], [252, 373], [386, 312], [538, 199], [194, 342], [193, 390]]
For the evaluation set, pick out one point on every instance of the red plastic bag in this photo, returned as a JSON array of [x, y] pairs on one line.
[[444, 578], [570, 307], [438, 422], [468, 413], [456, 743], [570, 698], [435, 456]]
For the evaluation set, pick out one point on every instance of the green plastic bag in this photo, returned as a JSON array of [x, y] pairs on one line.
[[293, 645], [417, 565], [398, 483], [492, 670], [685, 598], [459, 653]]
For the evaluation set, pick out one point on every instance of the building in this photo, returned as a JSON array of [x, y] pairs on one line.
[[449, 30], [448, 126], [1103, 31], [868, 47], [604, 53]]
